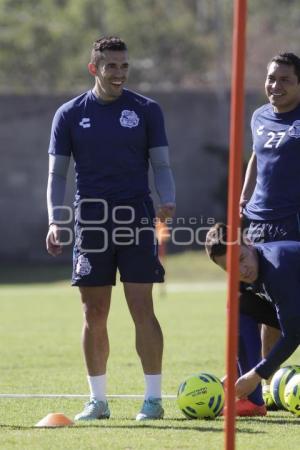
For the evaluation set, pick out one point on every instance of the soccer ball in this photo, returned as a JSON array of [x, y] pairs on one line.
[[268, 399], [292, 395], [201, 396], [279, 381]]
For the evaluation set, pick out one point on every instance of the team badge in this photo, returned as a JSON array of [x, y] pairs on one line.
[[294, 130], [129, 119], [83, 266]]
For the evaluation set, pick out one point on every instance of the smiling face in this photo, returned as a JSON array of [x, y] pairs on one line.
[[248, 263], [110, 74], [282, 87]]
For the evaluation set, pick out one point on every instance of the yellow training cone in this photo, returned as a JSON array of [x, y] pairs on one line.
[[53, 420]]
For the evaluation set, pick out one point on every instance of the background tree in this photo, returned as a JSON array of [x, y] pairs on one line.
[[45, 44]]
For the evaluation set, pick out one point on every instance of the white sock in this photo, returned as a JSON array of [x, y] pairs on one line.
[[153, 386], [97, 387]]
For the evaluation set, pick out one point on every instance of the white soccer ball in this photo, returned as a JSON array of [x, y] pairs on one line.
[[279, 381], [292, 395]]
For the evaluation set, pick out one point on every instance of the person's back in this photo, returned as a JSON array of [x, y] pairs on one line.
[[272, 269], [279, 276]]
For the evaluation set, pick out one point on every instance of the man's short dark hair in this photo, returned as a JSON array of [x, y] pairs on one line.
[[289, 59], [216, 240], [113, 43]]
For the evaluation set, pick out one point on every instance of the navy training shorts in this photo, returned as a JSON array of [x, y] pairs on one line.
[[115, 235], [284, 229]]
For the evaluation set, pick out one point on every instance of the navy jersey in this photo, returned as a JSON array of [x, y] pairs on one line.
[[276, 143], [279, 282], [109, 143]]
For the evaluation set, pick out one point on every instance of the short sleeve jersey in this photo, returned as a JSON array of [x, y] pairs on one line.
[[276, 143], [109, 143]]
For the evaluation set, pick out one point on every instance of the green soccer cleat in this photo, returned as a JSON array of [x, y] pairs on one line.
[[151, 410], [268, 399], [94, 410]]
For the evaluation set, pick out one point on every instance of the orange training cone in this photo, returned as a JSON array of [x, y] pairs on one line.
[[54, 420]]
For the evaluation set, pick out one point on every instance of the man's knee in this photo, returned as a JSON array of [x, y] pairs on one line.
[[95, 314], [142, 313]]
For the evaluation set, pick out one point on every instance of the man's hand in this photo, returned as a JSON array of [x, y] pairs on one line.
[[243, 203], [52, 240], [247, 384], [166, 211]]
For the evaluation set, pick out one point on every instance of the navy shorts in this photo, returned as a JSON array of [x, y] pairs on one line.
[[284, 229], [115, 235]]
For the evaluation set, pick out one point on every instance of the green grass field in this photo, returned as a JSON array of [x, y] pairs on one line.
[[40, 354]]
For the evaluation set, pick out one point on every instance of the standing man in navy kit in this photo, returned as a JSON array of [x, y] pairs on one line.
[[112, 133], [270, 198]]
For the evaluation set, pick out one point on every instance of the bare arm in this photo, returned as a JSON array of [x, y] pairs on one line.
[[250, 181]]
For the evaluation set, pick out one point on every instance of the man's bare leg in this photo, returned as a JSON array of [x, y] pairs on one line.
[[96, 304], [269, 337], [149, 346], [149, 338]]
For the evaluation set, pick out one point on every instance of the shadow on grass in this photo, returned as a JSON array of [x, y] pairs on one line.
[[277, 421], [33, 273], [136, 427]]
